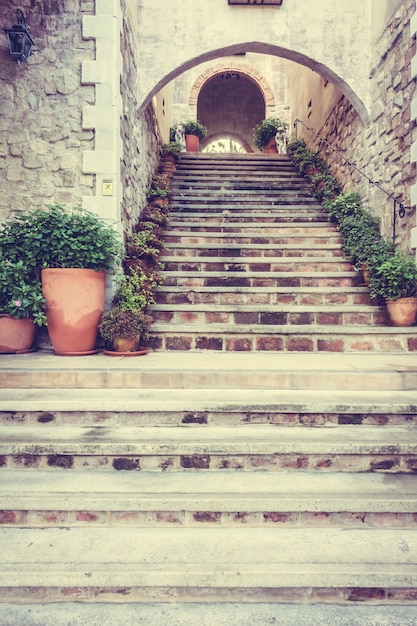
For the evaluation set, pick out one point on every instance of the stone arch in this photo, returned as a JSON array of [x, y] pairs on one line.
[[264, 48], [242, 68]]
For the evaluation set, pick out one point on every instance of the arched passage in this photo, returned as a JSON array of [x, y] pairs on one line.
[[263, 48], [230, 99]]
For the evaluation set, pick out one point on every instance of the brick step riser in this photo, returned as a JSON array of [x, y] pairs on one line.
[[56, 460], [170, 339], [145, 518], [181, 418], [122, 595], [255, 265], [194, 297], [194, 280], [236, 318]]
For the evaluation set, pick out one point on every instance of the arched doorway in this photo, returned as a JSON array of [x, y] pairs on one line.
[[230, 104]]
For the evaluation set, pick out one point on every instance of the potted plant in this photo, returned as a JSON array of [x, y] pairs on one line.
[[265, 132], [194, 132], [170, 153], [395, 280], [71, 250], [143, 249], [22, 307], [124, 329]]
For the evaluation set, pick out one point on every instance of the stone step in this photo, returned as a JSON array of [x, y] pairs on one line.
[[255, 264], [254, 250], [245, 216], [288, 338], [30, 498], [236, 314], [255, 447], [262, 279], [253, 229], [213, 558], [297, 296], [255, 203], [284, 239], [267, 383], [116, 608]]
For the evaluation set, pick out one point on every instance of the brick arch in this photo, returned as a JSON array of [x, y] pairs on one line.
[[246, 70]]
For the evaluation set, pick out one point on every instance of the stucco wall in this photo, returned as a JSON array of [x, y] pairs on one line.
[[41, 135], [328, 37]]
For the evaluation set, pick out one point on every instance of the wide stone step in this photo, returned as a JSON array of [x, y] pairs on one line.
[[253, 229], [254, 250], [203, 612], [273, 384], [27, 495], [255, 264], [191, 313], [297, 296], [191, 278], [284, 239], [183, 213], [216, 558], [287, 338], [188, 448]]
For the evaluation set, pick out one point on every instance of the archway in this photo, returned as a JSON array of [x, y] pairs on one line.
[[325, 71], [230, 100]]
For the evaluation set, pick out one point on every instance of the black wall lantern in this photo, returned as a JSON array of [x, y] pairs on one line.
[[20, 42]]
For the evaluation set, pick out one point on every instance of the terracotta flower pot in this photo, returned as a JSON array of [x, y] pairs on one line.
[[402, 312], [271, 147], [74, 304], [16, 335], [120, 344], [192, 143]]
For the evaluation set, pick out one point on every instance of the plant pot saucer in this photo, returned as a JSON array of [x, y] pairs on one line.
[[17, 351], [139, 352], [87, 353]]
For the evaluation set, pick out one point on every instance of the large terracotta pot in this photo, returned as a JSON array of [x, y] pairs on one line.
[[16, 336], [74, 304], [402, 312], [271, 147], [192, 143]]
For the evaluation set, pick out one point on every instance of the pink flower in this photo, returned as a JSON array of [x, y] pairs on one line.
[[17, 303]]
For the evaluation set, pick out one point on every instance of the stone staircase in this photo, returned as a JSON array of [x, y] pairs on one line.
[[193, 486], [253, 263]]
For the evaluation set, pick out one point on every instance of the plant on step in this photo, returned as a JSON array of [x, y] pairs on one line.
[[155, 213], [173, 149], [325, 187], [395, 278], [59, 237], [21, 293], [160, 187], [266, 130], [124, 324], [136, 288], [307, 160]]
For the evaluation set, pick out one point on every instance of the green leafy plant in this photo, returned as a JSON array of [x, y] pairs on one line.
[[20, 293], [194, 127], [136, 289], [173, 148], [266, 130], [160, 187], [395, 278], [58, 237], [119, 323]]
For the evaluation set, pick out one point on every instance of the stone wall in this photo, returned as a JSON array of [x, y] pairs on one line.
[[41, 136], [139, 135], [383, 149]]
